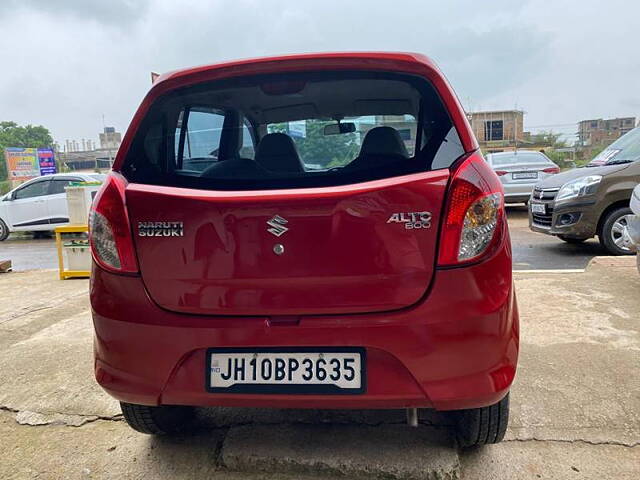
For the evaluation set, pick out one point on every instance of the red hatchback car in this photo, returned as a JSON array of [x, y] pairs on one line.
[[309, 231]]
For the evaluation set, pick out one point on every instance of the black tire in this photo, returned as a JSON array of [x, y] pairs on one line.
[[571, 240], [482, 426], [162, 420], [607, 234], [4, 231]]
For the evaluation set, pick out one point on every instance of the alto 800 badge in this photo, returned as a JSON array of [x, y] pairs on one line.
[[411, 220]]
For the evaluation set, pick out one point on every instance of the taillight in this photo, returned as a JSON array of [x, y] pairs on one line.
[[474, 213], [109, 229], [500, 173], [551, 170]]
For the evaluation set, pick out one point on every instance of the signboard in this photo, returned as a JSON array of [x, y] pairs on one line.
[[46, 161], [26, 163], [22, 163]]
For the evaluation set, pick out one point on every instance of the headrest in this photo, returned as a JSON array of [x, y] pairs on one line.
[[276, 152], [383, 141]]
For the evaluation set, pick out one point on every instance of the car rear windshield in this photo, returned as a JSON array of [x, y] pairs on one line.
[[520, 157], [293, 130]]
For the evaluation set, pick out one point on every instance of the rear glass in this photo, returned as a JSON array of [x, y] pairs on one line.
[[293, 130], [518, 158]]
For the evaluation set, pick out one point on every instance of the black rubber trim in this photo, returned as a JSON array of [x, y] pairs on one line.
[[33, 224]]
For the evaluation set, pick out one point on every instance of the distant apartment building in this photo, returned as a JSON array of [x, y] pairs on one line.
[[498, 130], [599, 132], [85, 156], [110, 139]]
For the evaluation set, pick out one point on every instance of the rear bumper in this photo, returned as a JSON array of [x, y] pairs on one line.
[[457, 350], [519, 192]]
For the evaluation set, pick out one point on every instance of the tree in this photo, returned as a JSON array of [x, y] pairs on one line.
[[14, 135], [324, 150], [548, 139]]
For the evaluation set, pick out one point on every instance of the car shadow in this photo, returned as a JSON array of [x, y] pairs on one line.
[[517, 210], [221, 417], [200, 446]]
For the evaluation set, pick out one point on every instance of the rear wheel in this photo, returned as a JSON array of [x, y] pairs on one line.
[[165, 419], [482, 426], [564, 238], [4, 231], [611, 236]]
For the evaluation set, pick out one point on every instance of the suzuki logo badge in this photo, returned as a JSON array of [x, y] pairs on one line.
[[277, 224]]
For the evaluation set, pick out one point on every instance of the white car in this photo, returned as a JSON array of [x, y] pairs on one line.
[[520, 171], [39, 204], [631, 234]]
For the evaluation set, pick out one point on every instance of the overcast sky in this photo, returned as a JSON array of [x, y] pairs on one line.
[[65, 63]]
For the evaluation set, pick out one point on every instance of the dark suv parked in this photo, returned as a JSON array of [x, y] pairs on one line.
[[591, 200]]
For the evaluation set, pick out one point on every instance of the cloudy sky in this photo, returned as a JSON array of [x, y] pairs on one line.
[[66, 63]]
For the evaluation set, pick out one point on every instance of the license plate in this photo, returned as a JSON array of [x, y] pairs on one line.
[[524, 175], [322, 370], [540, 208]]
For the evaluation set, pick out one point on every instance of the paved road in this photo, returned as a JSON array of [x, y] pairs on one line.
[[532, 251], [535, 251], [27, 253]]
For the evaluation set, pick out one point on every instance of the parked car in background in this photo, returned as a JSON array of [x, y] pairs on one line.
[[632, 231], [39, 204], [593, 200], [519, 172], [370, 271]]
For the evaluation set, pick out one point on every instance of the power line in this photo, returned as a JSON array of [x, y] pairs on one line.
[[554, 125]]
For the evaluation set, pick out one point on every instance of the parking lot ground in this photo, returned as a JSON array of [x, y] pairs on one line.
[[575, 403], [28, 253], [536, 251]]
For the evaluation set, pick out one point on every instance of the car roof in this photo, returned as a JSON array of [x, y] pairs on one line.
[[66, 174], [82, 175], [318, 60], [518, 152]]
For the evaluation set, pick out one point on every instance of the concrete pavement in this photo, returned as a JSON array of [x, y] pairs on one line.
[[536, 251], [575, 403]]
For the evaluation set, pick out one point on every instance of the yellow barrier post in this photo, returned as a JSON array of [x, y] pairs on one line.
[[69, 273]]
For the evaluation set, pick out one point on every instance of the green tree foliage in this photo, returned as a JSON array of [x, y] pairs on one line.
[[320, 149], [551, 141], [28, 136], [548, 139]]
